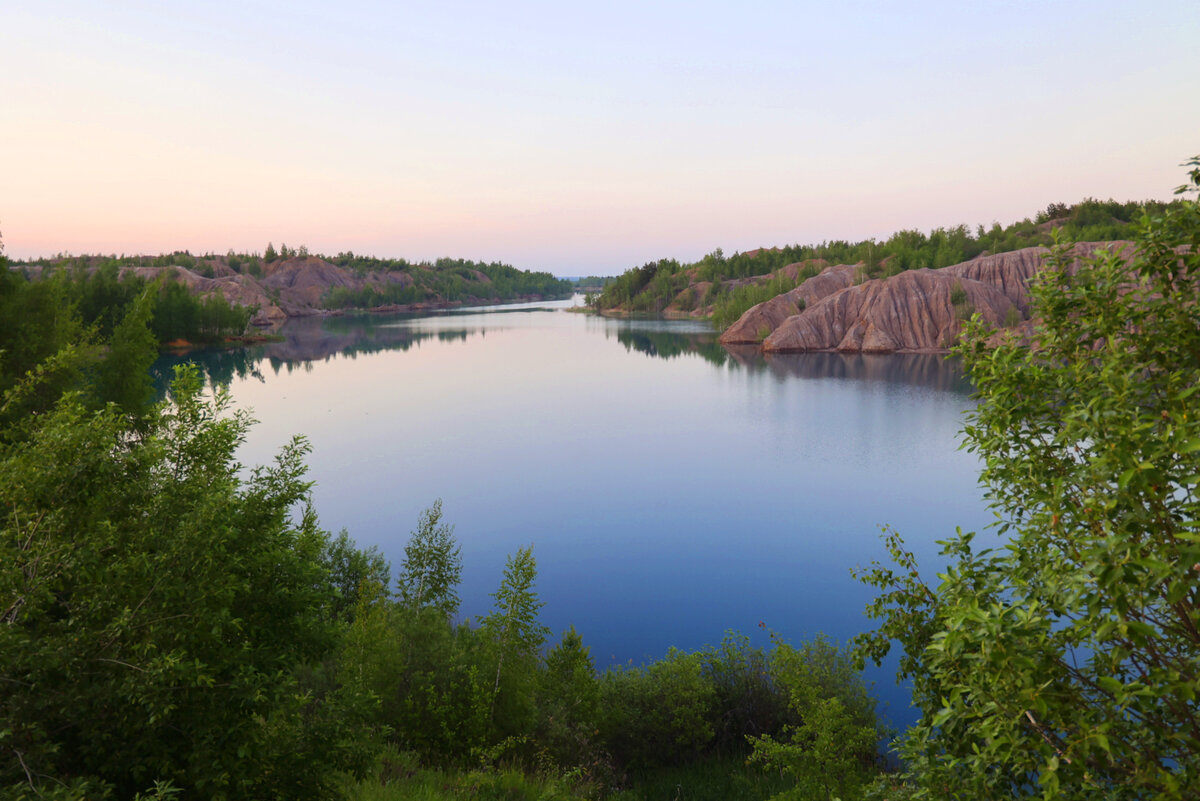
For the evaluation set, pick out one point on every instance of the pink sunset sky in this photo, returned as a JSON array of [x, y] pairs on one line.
[[576, 138]]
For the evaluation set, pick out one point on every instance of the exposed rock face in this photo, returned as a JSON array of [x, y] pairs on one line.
[[767, 316], [912, 311], [237, 288], [245, 291], [304, 281], [294, 287], [291, 287], [915, 311]]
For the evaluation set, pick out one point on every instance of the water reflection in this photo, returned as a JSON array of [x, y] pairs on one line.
[[673, 344], [307, 340], [929, 370], [304, 341], [219, 366]]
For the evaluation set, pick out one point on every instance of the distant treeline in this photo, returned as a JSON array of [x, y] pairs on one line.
[[593, 283], [205, 265], [445, 279], [658, 284], [402, 281]]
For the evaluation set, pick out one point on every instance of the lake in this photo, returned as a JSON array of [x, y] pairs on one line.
[[671, 489]]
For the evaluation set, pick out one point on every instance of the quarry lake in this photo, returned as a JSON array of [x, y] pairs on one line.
[[672, 490]]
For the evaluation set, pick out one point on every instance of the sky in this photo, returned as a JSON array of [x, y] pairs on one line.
[[578, 138]]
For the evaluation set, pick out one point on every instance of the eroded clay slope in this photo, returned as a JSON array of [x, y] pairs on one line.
[[766, 317], [918, 310]]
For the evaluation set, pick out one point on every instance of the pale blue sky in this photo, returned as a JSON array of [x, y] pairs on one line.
[[576, 138]]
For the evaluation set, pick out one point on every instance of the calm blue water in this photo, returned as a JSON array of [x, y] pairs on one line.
[[671, 489]]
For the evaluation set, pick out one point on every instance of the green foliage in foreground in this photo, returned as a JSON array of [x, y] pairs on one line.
[[1066, 663], [155, 608], [829, 751], [459, 696]]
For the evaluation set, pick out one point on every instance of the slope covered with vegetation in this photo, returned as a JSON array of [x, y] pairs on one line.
[[285, 281], [444, 279], [98, 297], [724, 287]]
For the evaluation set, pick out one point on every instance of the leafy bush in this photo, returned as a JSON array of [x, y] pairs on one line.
[[156, 606], [963, 308], [568, 697], [1064, 662], [748, 700], [831, 749], [659, 714]]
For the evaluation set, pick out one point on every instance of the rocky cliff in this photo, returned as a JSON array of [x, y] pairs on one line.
[[912, 312], [766, 317], [287, 288]]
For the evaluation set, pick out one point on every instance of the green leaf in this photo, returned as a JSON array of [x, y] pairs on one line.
[[1191, 446]]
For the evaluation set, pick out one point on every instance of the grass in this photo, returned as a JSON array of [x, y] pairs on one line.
[[727, 779], [436, 785], [402, 778]]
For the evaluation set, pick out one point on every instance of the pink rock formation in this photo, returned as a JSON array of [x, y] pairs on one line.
[[770, 315], [914, 311], [294, 287], [306, 280]]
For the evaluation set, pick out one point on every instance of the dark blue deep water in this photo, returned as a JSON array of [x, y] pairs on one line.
[[671, 489]]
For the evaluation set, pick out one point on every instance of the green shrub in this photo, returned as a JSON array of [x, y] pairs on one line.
[[1012, 317], [963, 308], [568, 699], [179, 596], [686, 301], [748, 700], [831, 750], [659, 714], [1063, 661], [736, 302]]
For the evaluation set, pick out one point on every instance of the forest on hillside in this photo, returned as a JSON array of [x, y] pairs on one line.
[[724, 287], [381, 281]]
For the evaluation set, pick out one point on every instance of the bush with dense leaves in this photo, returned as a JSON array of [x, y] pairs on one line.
[[155, 607], [1064, 662]]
